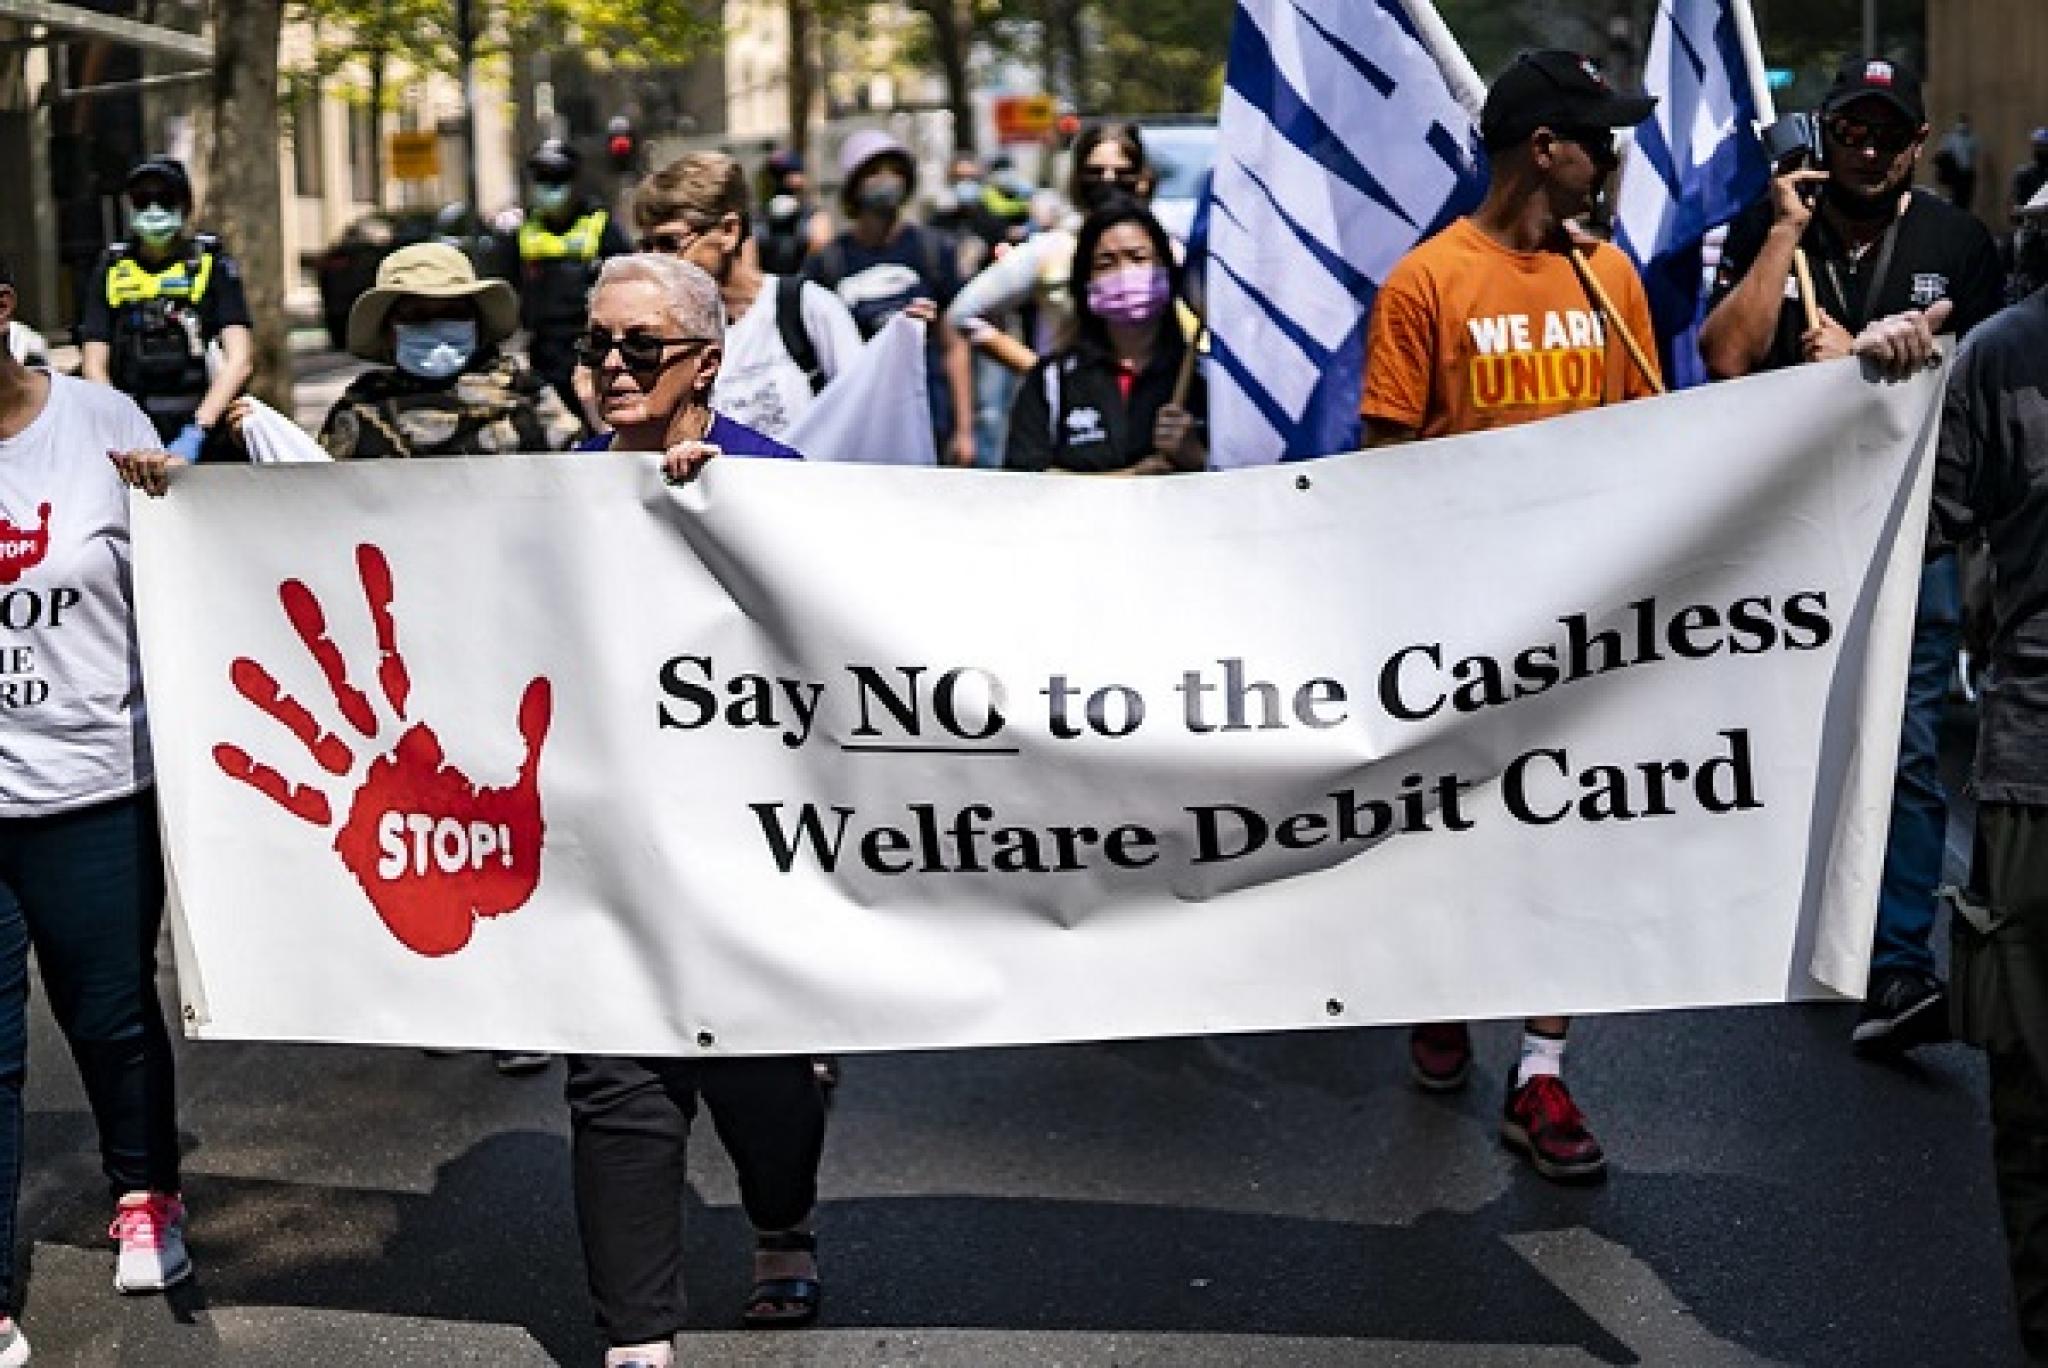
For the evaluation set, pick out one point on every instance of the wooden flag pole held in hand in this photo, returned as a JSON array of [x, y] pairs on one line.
[[1615, 324], [1186, 379], [1807, 299]]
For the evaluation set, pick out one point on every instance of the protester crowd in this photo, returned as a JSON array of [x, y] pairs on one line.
[[709, 321]]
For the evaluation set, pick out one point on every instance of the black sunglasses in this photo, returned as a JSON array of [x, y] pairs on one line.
[[1599, 142], [1857, 134], [1115, 175], [640, 351], [156, 199]]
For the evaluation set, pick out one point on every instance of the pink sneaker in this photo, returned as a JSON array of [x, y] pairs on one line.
[[150, 1230]]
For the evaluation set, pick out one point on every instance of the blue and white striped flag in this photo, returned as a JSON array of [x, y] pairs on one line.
[[1341, 145], [1693, 166]]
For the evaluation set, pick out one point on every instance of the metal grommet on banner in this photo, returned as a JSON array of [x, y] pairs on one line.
[[1301, 482], [1334, 1007], [705, 1040]]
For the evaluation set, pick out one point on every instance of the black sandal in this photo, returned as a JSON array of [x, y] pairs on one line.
[[783, 1303]]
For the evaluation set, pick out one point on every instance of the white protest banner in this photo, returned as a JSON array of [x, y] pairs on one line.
[[1594, 715]]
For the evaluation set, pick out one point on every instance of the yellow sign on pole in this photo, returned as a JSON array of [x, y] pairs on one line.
[[415, 156]]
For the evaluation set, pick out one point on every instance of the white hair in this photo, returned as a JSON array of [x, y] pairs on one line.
[[692, 295]]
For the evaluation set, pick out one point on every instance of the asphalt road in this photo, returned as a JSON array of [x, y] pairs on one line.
[[1272, 1200]]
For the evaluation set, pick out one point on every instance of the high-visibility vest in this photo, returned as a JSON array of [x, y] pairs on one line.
[[130, 282], [156, 346], [538, 242]]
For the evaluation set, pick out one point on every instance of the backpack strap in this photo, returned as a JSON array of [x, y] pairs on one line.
[[796, 338]]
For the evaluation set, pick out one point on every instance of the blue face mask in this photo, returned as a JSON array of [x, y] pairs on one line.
[[551, 199], [435, 351]]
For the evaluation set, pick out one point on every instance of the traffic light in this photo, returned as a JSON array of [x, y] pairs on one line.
[[622, 145]]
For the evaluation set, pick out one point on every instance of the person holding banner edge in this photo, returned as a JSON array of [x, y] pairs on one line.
[[1495, 322], [81, 873], [1885, 261], [653, 346]]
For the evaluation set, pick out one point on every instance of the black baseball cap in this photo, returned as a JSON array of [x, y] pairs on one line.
[[1897, 84], [1554, 88], [554, 162], [166, 171]]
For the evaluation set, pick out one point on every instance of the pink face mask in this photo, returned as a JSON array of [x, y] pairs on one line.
[[1130, 294]]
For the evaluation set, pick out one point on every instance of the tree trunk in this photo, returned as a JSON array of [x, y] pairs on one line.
[[1075, 40], [247, 193], [801, 73], [953, 35], [379, 60]]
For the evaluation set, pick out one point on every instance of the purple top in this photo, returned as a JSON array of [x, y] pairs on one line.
[[732, 439]]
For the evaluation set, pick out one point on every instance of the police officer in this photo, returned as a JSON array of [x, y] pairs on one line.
[[157, 305], [565, 236]]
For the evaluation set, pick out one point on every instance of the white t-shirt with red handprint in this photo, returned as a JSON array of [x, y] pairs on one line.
[[72, 728]]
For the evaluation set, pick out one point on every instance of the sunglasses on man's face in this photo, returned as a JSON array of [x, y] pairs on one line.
[[1598, 142], [1890, 139], [155, 199], [642, 352]]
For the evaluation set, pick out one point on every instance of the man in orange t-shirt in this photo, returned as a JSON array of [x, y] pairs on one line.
[[1488, 324], [1485, 325]]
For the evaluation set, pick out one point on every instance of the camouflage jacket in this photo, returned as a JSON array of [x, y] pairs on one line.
[[495, 406]]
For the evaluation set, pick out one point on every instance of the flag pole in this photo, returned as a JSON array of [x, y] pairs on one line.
[[1615, 322], [1459, 74], [1767, 114]]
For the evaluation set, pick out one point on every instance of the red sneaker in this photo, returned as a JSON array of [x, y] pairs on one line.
[[1545, 1124], [1440, 1055]]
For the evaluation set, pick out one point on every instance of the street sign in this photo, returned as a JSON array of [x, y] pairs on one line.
[[1024, 118], [415, 156]]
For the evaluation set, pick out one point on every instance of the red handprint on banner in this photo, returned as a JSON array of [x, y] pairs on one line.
[[22, 548], [432, 850]]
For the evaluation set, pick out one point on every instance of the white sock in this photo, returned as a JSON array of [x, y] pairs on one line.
[[1541, 1054], [664, 1354]]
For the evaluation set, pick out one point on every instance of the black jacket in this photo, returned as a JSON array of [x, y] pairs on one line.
[[1070, 414]]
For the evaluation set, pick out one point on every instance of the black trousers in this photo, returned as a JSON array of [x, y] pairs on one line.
[[629, 1122], [2001, 1002]]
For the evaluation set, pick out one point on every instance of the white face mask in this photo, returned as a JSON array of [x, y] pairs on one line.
[[435, 351], [157, 225]]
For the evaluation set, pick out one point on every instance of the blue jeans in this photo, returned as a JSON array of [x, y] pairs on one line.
[[1919, 830], [87, 889], [995, 384]]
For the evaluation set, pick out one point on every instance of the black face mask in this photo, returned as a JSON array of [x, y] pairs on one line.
[[1098, 195], [1863, 208]]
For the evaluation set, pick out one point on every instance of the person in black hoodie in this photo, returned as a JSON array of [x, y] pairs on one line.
[[1104, 403]]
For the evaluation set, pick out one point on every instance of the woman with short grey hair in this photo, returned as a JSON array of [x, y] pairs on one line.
[[653, 348], [653, 345]]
